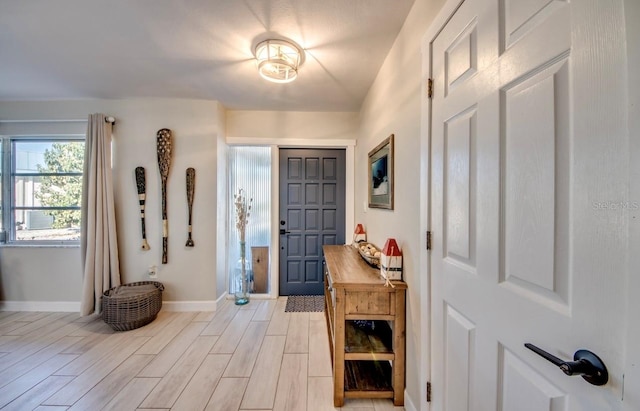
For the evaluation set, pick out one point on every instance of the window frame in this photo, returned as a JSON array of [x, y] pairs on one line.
[[8, 176]]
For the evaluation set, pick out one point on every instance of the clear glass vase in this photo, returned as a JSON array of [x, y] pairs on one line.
[[242, 278]]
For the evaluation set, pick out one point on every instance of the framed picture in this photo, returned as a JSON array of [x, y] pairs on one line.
[[381, 175]]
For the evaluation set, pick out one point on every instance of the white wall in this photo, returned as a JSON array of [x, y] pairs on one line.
[[287, 125], [221, 203], [393, 107], [54, 274]]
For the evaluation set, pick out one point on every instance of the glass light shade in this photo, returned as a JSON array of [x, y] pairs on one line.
[[278, 60]]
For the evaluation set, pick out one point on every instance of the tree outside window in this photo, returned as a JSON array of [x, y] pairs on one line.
[[61, 190]]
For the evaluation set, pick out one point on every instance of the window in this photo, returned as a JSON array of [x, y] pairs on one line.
[[249, 170], [41, 179]]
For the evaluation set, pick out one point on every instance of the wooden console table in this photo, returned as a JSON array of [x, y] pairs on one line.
[[368, 362]]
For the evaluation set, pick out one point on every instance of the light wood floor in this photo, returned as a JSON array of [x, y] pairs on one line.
[[255, 357]]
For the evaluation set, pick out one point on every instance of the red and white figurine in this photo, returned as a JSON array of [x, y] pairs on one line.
[[359, 234], [391, 261]]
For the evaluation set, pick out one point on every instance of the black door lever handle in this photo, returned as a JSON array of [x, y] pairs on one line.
[[585, 363], [283, 231]]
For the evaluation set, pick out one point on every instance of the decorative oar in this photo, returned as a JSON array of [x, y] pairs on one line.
[[163, 142], [191, 186], [142, 196]]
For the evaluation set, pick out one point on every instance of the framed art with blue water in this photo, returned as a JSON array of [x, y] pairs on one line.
[[381, 175]]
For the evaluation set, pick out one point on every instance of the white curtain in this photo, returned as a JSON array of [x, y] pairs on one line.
[[99, 246]]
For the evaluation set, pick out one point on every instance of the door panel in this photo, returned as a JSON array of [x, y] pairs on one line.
[[459, 358], [523, 388], [460, 187], [312, 214], [535, 193], [510, 189]]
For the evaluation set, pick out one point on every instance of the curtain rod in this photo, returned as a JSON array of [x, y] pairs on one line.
[[108, 119]]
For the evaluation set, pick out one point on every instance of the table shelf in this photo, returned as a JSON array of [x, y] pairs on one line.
[[366, 339], [368, 376]]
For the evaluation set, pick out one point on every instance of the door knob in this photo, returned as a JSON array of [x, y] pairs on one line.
[[585, 363], [283, 231]]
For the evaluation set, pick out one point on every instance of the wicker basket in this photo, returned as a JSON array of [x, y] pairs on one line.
[[126, 308], [369, 257]]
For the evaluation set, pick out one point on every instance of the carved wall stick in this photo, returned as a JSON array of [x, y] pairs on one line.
[[191, 186], [163, 142], [142, 196]]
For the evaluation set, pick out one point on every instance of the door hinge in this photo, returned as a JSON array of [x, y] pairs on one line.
[[428, 240], [430, 88], [428, 392]]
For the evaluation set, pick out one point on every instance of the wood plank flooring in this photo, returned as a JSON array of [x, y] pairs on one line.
[[254, 357]]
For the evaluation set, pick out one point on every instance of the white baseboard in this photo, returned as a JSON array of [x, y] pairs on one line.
[[221, 298], [260, 297], [408, 403], [46, 306], [193, 305], [74, 306]]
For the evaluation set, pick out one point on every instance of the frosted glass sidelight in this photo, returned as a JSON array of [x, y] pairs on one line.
[[249, 170]]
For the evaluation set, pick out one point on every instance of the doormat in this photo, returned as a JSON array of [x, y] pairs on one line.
[[304, 304]]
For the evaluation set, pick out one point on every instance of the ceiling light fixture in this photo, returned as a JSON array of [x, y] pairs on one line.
[[278, 60]]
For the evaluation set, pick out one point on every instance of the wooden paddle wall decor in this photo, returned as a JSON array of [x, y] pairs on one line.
[[142, 196], [163, 144], [191, 186]]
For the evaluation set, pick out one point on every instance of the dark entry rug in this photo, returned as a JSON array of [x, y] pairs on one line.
[[304, 304]]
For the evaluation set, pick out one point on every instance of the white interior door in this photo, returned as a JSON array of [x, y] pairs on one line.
[[632, 363], [529, 163]]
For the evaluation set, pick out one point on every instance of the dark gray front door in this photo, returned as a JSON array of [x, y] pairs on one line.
[[312, 202]]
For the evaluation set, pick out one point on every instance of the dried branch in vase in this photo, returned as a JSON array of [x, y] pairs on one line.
[[242, 212]]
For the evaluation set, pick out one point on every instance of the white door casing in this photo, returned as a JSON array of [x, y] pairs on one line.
[[529, 183], [632, 360]]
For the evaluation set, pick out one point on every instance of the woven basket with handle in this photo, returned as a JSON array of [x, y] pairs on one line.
[[132, 305]]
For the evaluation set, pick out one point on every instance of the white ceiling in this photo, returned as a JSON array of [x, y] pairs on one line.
[[194, 49]]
